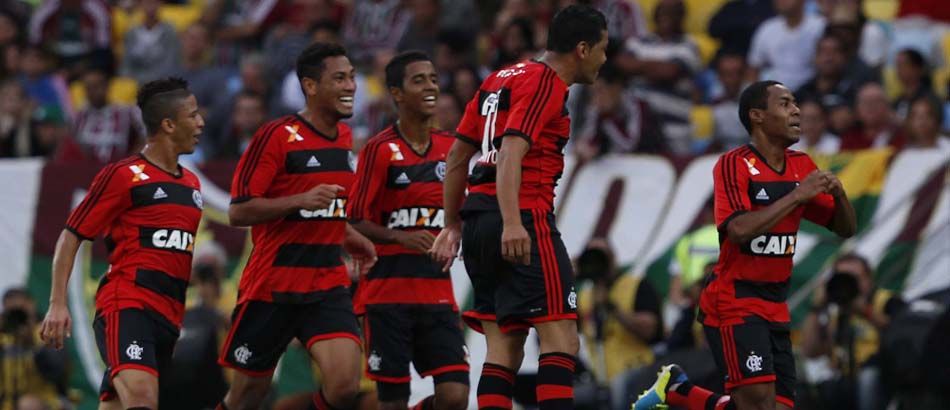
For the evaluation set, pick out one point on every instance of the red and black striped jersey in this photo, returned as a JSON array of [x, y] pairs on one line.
[[149, 218], [301, 254], [524, 100], [399, 188], [752, 278]]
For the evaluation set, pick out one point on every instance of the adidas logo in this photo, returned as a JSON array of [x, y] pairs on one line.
[[403, 179], [312, 163], [159, 194], [762, 195]]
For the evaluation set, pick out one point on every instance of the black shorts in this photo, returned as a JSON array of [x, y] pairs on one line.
[[133, 339], [514, 295], [428, 336], [755, 352], [260, 331]]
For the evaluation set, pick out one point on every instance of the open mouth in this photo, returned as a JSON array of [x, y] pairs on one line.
[[347, 101], [430, 100]]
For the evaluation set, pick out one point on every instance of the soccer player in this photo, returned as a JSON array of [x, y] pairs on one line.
[[406, 299], [520, 270], [148, 206], [761, 193], [290, 188]]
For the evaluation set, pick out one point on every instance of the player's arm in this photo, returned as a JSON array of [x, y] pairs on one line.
[[360, 248], [446, 244], [732, 205], [515, 241], [362, 207], [844, 221], [107, 197], [256, 170]]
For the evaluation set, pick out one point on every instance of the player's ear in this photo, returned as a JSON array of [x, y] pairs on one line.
[[396, 94], [757, 115], [308, 85], [168, 125], [582, 49]]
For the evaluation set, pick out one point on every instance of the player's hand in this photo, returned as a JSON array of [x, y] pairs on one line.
[[360, 249], [516, 244], [835, 188], [56, 326], [416, 240], [318, 197], [445, 248], [815, 183]]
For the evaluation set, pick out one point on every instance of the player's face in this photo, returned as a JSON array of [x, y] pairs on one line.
[[188, 125], [782, 116], [420, 89], [591, 62], [336, 87]]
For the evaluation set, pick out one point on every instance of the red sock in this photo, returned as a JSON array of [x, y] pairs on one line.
[[555, 389], [693, 397], [495, 387]]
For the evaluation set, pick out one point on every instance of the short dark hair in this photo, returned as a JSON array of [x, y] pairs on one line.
[[159, 99], [934, 104], [16, 292], [754, 96], [310, 64], [396, 68], [854, 257], [574, 24]]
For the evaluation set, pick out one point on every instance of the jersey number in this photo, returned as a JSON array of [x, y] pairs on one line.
[[489, 110]]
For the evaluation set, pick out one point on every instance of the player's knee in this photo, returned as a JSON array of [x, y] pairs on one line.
[[755, 397], [248, 394], [455, 398], [141, 393], [342, 391], [559, 337]]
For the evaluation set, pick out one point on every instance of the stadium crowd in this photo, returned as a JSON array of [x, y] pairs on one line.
[[675, 70]]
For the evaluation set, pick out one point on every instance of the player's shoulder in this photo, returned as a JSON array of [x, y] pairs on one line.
[[388, 134], [735, 154], [129, 166], [798, 157], [442, 135]]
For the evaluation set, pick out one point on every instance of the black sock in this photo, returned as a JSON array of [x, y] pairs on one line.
[[495, 387], [555, 388]]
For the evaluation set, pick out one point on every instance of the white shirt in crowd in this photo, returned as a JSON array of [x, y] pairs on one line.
[[786, 54]]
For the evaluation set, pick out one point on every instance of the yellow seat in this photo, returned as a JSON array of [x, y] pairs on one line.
[[892, 86], [701, 118], [122, 90], [707, 46], [940, 78], [881, 9]]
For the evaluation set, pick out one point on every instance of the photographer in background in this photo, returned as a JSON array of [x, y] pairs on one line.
[[26, 367], [840, 336], [619, 314]]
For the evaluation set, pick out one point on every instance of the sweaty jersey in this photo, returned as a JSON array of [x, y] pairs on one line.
[[752, 278], [297, 256], [399, 188], [524, 100], [149, 218]]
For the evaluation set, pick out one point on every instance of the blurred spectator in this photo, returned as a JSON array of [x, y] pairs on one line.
[[736, 22], [865, 39], [39, 80], [833, 84], [664, 63], [875, 126], [923, 124], [783, 47], [10, 32], [29, 369], [237, 24], [691, 255], [619, 313], [152, 49], [31, 402], [815, 138], [453, 50], [48, 130], [841, 336], [616, 121], [250, 112], [728, 132], [250, 78], [284, 42], [625, 19], [515, 45], [107, 132], [913, 72], [372, 26], [205, 80], [423, 30], [463, 83], [15, 113], [448, 112], [74, 29], [197, 381]]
